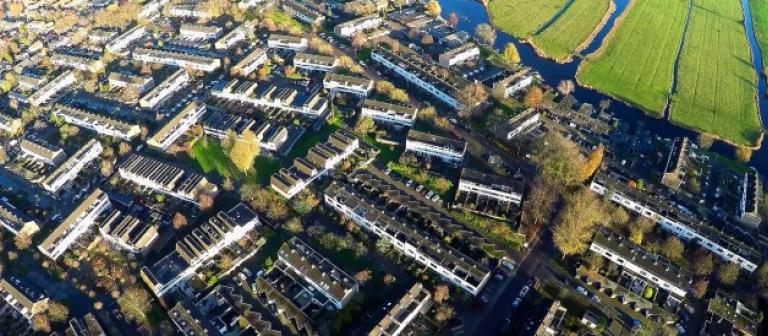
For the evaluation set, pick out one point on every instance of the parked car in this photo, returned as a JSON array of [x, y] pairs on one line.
[[582, 291], [524, 291], [516, 303]]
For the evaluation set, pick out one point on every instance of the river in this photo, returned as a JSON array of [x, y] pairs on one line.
[[472, 13]]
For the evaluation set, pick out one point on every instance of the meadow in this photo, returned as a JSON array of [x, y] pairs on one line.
[[759, 9], [716, 78], [636, 62], [573, 30], [522, 18]]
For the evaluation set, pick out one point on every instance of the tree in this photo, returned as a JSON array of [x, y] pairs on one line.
[[485, 34], [566, 87], [656, 328], [443, 313], [358, 41], [67, 131], [134, 304], [269, 25], [22, 241], [399, 95], [593, 163], [441, 293], [384, 87], [453, 19], [533, 97], [672, 248], [365, 125], [40, 323], [511, 54], [761, 277], [442, 185], [230, 137], [123, 148], [703, 263], [389, 279], [699, 288], [57, 312], [705, 140], [363, 276], [539, 207], [604, 104], [179, 221], [263, 72], [743, 154], [289, 71], [205, 201], [728, 273], [638, 228], [244, 151], [294, 225], [558, 160], [432, 8], [428, 113], [304, 202], [576, 222]]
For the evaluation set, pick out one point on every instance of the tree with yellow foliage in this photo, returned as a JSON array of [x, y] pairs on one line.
[[244, 151], [593, 163], [433, 8]]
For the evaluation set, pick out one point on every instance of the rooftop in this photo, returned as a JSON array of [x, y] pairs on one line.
[[437, 141]]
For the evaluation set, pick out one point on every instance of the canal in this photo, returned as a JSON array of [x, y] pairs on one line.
[[472, 13]]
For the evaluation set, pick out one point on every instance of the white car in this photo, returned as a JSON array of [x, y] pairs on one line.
[[524, 291], [582, 291]]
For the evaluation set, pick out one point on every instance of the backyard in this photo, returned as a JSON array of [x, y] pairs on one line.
[[636, 61], [573, 30], [716, 90]]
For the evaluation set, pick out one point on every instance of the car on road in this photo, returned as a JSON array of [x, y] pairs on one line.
[[595, 298], [582, 291], [516, 303], [524, 291]]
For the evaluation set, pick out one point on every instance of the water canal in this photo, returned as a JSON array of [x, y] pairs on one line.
[[472, 13]]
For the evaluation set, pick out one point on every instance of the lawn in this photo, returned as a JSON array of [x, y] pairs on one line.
[[209, 155], [311, 138], [573, 30], [716, 90], [636, 61], [759, 9], [522, 18]]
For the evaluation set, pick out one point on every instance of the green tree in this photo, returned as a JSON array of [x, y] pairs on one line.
[[576, 222], [432, 8], [134, 304], [511, 54], [728, 273], [485, 34], [57, 312], [294, 225], [639, 227], [672, 249], [703, 263], [558, 159], [761, 277], [365, 125]]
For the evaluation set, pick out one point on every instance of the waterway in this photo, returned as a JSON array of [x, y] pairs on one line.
[[472, 13]]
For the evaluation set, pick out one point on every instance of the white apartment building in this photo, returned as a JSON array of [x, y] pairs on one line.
[[251, 62], [127, 232], [188, 11], [389, 113], [152, 8], [16, 221], [279, 41], [64, 80], [177, 126], [161, 177], [451, 264], [519, 124], [718, 243], [489, 186], [75, 225], [417, 76], [76, 62], [139, 83], [195, 62], [97, 123], [312, 62], [640, 262], [415, 302], [459, 55], [236, 35], [429, 145], [516, 82], [41, 151], [125, 39], [242, 91], [341, 83], [200, 32], [68, 170], [169, 86], [352, 27], [20, 298]]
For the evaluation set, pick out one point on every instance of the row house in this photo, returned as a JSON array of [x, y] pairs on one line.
[[433, 146], [127, 232], [21, 298], [357, 25], [459, 55], [65, 80], [303, 12], [256, 58], [16, 221], [342, 83], [312, 62], [279, 41], [234, 36], [175, 82], [77, 62], [195, 62], [138, 83], [200, 32], [389, 113], [165, 178], [177, 126], [68, 170], [417, 301], [77, 224], [98, 123], [272, 96], [40, 150]]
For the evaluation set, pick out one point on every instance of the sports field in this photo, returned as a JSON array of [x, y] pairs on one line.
[[636, 61], [716, 79], [759, 9], [522, 18], [572, 30]]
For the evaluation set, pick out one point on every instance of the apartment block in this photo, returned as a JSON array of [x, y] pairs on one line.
[[189, 11], [349, 84], [459, 55], [44, 94], [434, 146], [251, 62], [319, 159], [671, 219], [270, 96], [515, 82], [139, 83], [234, 36], [98, 123], [16, 221], [303, 11], [487, 186], [751, 196], [126, 231], [389, 113], [200, 32], [195, 62], [177, 126], [77, 62], [68, 170], [279, 41], [175, 82], [21, 298], [40, 150], [357, 25], [518, 125], [165, 178], [75, 225], [312, 62], [415, 302], [10, 124], [452, 265]]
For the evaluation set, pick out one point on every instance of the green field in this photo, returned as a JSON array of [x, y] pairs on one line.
[[759, 9], [716, 79], [209, 155], [636, 62], [521, 18], [572, 31]]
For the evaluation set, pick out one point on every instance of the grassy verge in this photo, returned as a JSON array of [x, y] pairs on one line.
[[716, 79], [574, 27], [498, 232], [522, 18], [439, 185], [636, 61], [759, 10]]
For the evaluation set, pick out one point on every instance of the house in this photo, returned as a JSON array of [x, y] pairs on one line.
[[303, 12], [459, 55], [175, 82], [415, 302], [234, 36], [389, 113], [275, 97], [69, 170], [590, 320], [342, 83], [177, 126], [726, 315], [39, 150], [165, 178], [515, 82], [433, 146], [138, 83], [200, 32], [64, 80], [127, 232], [357, 25], [98, 123], [520, 124], [249, 64], [78, 62], [16, 221], [86, 326], [312, 62], [279, 41], [487, 194], [20, 298], [75, 225], [751, 196], [195, 62], [673, 174]]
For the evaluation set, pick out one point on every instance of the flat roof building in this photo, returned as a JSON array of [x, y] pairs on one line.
[[357, 25], [175, 82], [389, 113], [518, 125], [177, 126], [98, 123], [24, 299], [234, 36], [279, 41], [429, 145], [751, 196], [342, 83], [140, 83], [190, 61], [44, 94], [68, 170], [271, 96], [75, 225], [125, 39], [416, 301], [16, 221], [165, 178], [313, 62], [459, 55], [200, 32], [251, 62], [77, 62]]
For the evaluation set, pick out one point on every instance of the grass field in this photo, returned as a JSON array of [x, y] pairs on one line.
[[636, 62], [716, 78], [209, 155], [759, 9], [569, 32], [521, 18]]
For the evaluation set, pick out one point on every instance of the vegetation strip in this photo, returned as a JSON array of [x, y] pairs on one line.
[[573, 30], [521, 18], [716, 85]]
